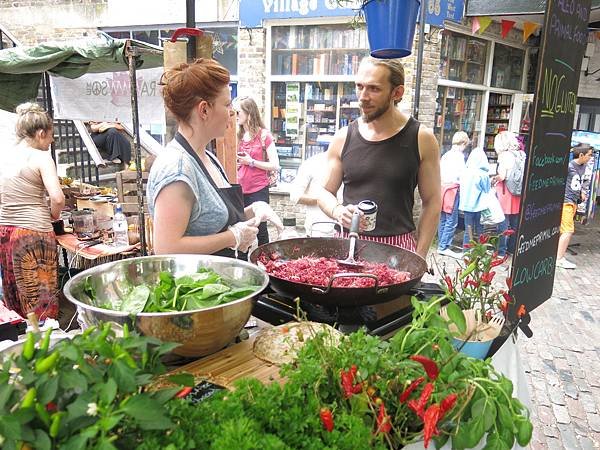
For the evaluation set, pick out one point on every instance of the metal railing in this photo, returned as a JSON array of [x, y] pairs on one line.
[[67, 138]]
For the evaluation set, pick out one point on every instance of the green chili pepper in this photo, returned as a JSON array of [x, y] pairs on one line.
[[46, 364], [470, 268], [45, 343], [29, 347], [88, 331], [125, 330], [29, 398], [55, 425], [43, 414]]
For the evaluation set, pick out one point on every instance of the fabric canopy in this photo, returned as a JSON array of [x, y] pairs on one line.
[[21, 68]]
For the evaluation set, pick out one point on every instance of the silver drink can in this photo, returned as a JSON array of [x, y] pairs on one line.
[[369, 210]]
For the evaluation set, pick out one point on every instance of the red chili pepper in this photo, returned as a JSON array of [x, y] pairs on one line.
[[506, 296], [508, 232], [473, 284], [447, 404], [418, 406], [498, 261], [348, 385], [430, 366], [326, 419], [487, 277], [484, 238], [504, 307], [522, 311], [468, 245], [51, 406], [411, 387], [384, 423], [448, 281], [431, 418], [509, 282], [183, 393]]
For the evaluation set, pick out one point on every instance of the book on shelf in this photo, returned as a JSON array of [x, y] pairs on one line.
[[294, 64]]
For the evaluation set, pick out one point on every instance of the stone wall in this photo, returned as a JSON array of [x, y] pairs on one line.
[[35, 21], [252, 64], [588, 86]]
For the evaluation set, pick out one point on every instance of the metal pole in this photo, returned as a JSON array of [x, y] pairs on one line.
[[419, 69], [132, 55], [190, 22]]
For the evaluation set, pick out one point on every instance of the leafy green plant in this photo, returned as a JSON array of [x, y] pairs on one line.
[[202, 289], [362, 393], [75, 395], [471, 286]]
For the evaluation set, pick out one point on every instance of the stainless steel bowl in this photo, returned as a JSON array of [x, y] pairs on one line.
[[200, 332]]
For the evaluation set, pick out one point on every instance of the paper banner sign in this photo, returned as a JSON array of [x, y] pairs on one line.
[[528, 29], [506, 27]]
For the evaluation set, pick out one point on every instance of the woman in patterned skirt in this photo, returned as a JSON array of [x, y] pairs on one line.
[[28, 254]]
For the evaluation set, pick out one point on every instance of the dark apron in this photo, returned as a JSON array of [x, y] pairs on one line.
[[231, 196]]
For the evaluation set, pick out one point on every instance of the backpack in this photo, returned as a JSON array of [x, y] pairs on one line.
[[514, 177]]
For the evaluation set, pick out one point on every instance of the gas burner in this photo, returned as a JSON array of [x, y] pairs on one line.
[[382, 319]]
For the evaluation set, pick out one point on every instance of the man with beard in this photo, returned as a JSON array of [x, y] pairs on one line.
[[383, 156]]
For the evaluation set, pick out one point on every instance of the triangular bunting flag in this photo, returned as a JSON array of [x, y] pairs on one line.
[[484, 22], [475, 25], [528, 29], [506, 27]]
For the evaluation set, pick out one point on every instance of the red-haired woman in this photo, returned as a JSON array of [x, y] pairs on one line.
[[194, 207], [27, 242]]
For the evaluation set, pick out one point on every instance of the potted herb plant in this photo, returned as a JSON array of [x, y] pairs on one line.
[[477, 307], [390, 25]]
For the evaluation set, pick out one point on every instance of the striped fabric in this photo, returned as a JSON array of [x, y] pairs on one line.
[[406, 241]]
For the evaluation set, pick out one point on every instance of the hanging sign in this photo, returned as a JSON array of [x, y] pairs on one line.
[[106, 97], [563, 44], [292, 109], [253, 12]]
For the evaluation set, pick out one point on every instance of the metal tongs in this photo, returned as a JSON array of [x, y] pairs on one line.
[[353, 236]]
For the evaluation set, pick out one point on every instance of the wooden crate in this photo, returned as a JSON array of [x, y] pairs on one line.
[[127, 191]]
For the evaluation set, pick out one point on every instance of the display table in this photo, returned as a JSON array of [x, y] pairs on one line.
[[79, 254]]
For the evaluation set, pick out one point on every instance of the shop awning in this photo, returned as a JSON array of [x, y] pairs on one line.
[[518, 8], [21, 68]]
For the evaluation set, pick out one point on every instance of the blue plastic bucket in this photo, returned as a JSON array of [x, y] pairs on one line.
[[391, 27], [474, 349]]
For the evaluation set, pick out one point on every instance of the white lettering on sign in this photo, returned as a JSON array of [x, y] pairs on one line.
[[303, 7]]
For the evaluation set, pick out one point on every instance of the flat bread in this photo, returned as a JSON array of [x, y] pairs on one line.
[[280, 345]]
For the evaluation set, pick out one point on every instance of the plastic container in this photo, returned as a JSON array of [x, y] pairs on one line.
[[289, 229], [391, 27], [120, 227]]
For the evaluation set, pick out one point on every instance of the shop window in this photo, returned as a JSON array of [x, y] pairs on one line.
[[224, 47], [305, 117], [463, 58], [507, 68], [457, 109], [317, 49], [148, 36]]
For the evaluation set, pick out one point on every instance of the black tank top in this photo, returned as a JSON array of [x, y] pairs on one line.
[[385, 172]]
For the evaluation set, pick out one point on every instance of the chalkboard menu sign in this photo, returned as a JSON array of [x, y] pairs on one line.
[[563, 44]]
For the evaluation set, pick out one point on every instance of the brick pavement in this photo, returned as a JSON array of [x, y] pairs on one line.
[[562, 359]]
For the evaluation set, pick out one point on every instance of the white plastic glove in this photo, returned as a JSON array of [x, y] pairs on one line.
[[263, 212], [245, 234]]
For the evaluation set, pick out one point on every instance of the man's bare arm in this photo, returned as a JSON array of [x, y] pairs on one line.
[[429, 185]]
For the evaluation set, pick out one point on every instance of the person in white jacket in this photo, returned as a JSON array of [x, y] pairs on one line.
[[305, 190], [452, 166]]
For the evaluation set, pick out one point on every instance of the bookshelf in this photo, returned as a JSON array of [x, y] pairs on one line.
[[463, 58], [498, 118], [507, 67], [317, 50], [457, 109]]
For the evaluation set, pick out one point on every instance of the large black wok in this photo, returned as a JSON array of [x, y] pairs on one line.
[[394, 257]]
